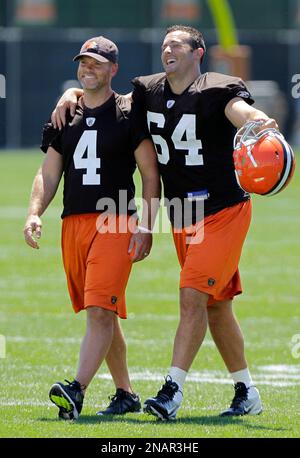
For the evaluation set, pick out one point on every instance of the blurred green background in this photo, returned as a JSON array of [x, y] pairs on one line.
[[38, 39]]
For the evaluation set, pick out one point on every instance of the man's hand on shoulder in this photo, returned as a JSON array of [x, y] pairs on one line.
[[68, 101]]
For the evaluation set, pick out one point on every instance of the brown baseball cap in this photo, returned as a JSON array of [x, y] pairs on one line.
[[99, 48]]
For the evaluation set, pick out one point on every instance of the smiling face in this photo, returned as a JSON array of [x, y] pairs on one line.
[[178, 56], [94, 75]]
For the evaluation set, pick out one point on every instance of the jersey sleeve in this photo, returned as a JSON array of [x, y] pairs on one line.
[[139, 98], [51, 137], [235, 88], [138, 117]]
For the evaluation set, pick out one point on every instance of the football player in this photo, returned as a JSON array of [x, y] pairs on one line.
[[96, 152], [193, 118]]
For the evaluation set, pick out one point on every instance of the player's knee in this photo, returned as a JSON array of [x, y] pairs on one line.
[[191, 300], [99, 316], [218, 310], [213, 315]]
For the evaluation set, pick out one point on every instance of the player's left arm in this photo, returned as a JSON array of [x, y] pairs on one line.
[[146, 159], [239, 112]]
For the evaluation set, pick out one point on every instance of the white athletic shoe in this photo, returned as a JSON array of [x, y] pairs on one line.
[[167, 401], [246, 401]]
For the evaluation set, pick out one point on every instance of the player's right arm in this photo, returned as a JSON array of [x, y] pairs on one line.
[[239, 113], [43, 190]]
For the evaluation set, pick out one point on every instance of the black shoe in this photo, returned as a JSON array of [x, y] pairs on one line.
[[68, 398], [166, 403], [246, 401], [121, 403]]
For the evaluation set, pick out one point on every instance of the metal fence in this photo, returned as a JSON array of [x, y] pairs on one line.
[[36, 64]]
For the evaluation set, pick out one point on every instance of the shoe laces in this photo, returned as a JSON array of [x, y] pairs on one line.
[[117, 398], [168, 390], [75, 385], [241, 394]]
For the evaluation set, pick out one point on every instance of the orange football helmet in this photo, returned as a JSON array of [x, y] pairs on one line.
[[264, 161]]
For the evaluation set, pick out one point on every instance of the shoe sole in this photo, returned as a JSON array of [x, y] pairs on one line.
[[63, 401], [102, 414], [231, 414], [158, 412], [254, 410]]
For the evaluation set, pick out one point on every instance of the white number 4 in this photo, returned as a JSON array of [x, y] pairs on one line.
[[88, 144]]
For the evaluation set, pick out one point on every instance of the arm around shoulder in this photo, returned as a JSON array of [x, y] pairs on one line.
[[68, 101]]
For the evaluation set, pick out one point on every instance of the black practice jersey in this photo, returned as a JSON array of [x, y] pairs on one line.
[[98, 147], [193, 137]]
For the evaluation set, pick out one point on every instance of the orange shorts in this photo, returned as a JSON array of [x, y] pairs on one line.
[[97, 265], [209, 252]]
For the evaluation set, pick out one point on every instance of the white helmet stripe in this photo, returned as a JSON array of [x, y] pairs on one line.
[[289, 163], [249, 153]]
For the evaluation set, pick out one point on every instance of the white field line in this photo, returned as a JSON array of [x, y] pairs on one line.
[[35, 403], [13, 212], [281, 368], [142, 342], [32, 403], [274, 375], [150, 317], [277, 378], [147, 376]]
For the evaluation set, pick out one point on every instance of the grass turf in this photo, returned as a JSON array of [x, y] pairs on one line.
[[43, 335]]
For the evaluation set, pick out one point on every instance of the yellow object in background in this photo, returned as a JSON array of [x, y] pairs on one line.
[[224, 21]]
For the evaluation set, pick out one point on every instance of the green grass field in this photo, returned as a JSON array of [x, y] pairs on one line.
[[43, 335]]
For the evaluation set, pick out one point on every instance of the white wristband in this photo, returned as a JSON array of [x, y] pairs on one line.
[[144, 229]]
